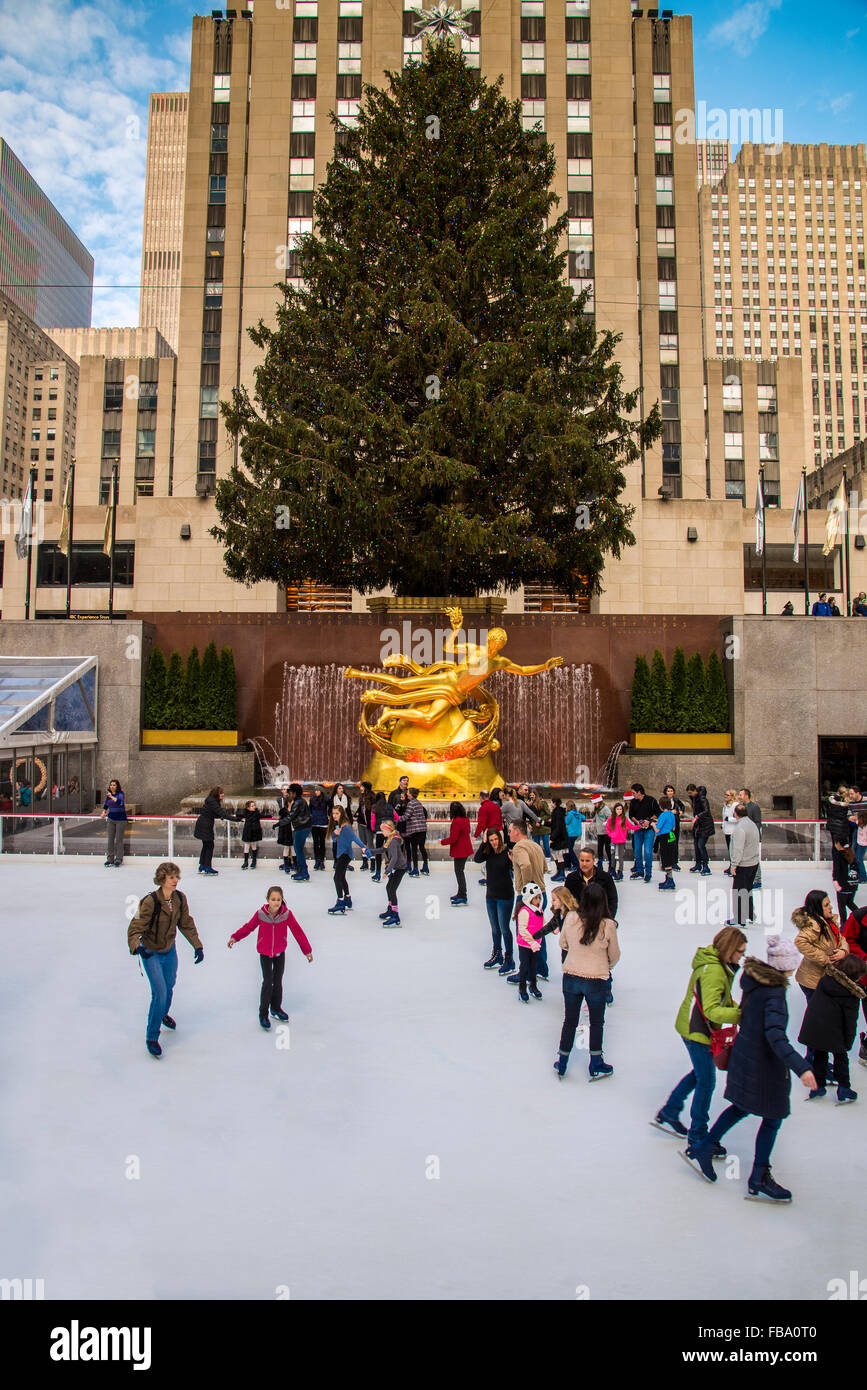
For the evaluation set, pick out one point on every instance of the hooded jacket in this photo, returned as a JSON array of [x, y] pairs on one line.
[[758, 1076], [211, 811], [831, 1020], [713, 981], [816, 944]]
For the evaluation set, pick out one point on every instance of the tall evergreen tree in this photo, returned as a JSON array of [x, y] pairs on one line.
[[717, 696], [677, 686], [210, 709], [175, 694], [696, 695], [193, 691], [435, 412], [640, 718], [155, 692], [228, 712], [660, 696]]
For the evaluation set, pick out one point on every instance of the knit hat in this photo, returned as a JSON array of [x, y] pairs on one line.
[[531, 891], [782, 953]]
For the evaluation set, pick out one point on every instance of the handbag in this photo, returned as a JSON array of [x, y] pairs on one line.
[[722, 1040]]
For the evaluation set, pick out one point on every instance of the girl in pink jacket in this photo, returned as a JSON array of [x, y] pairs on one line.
[[619, 827], [528, 923], [274, 921]]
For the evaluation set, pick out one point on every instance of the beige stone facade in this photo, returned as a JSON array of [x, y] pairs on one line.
[[110, 342], [38, 406], [159, 302]]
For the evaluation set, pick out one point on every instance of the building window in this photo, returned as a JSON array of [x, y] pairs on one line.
[[219, 138], [782, 572], [577, 115], [214, 294], [348, 57], [89, 565], [145, 443], [210, 402], [217, 189], [222, 85], [111, 444], [113, 399]]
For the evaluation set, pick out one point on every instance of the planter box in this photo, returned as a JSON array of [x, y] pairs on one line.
[[687, 743], [190, 738]]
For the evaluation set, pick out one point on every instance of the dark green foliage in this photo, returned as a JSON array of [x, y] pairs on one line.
[[192, 691], [660, 697], [434, 411], [640, 720], [677, 687], [696, 696], [228, 713], [210, 710], [717, 696], [155, 692], [174, 707]]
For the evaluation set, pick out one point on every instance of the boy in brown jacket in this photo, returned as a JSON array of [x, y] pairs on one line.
[[151, 936]]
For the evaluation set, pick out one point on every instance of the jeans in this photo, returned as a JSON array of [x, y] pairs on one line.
[[572, 861], [319, 833], [701, 854], [643, 843], [271, 996], [742, 890], [765, 1139], [701, 1080], [860, 852], [299, 838], [500, 916], [340, 886], [575, 990], [206, 854], [114, 842], [161, 969], [544, 841], [458, 866]]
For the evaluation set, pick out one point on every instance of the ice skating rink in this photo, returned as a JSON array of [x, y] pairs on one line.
[[411, 1142]]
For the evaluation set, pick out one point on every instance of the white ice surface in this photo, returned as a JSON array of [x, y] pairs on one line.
[[307, 1167]]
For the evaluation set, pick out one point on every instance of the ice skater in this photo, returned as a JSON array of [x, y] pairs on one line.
[[589, 950], [251, 833], [395, 868], [274, 921], [343, 837], [528, 925], [151, 937], [830, 1025]]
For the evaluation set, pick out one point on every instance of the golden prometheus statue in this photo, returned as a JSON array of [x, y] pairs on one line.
[[426, 731]]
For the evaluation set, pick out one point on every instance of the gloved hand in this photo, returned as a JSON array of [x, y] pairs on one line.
[[199, 956], [145, 955]]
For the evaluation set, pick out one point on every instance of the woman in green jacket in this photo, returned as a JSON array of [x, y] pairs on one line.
[[708, 1000]]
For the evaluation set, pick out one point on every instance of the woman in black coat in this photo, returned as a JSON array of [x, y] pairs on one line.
[[204, 827], [499, 897], [831, 1022], [702, 827], [758, 1074], [284, 829], [559, 838]]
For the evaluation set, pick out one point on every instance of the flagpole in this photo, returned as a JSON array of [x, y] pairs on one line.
[[846, 551], [69, 539], [764, 540], [33, 477], [806, 549], [113, 531]]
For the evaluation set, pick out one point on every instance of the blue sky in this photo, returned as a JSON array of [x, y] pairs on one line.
[[75, 77]]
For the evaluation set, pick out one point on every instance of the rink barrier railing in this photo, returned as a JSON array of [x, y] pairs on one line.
[[798, 841]]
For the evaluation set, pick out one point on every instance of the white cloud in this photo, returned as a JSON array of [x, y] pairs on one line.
[[74, 88], [837, 104], [745, 25]]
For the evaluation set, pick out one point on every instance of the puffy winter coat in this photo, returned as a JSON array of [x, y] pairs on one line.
[[210, 812], [703, 825], [831, 1020], [318, 810], [574, 822], [273, 931], [251, 828], [855, 932], [559, 835], [490, 817], [762, 1057], [839, 824], [714, 983], [816, 944], [458, 839]]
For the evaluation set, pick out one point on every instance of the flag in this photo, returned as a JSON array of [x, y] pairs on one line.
[[760, 515], [25, 530], [109, 516], [833, 527], [63, 542], [796, 519]]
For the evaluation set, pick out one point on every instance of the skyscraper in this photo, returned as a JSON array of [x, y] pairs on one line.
[[163, 214], [44, 268]]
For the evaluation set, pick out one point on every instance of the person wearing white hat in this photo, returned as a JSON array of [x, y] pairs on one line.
[[757, 1081], [528, 923]]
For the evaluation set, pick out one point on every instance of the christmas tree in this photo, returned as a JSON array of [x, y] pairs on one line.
[[155, 692], [660, 696], [192, 691], [717, 696], [210, 689], [640, 718], [677, 687], [435, 411]]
